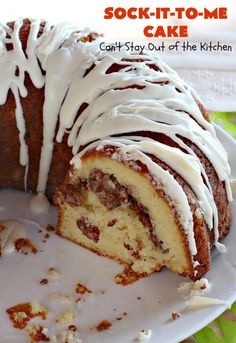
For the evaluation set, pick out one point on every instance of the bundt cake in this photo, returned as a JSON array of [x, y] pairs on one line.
[[119, 143]]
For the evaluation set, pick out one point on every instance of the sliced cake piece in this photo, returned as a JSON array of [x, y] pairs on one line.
[[116, 208]]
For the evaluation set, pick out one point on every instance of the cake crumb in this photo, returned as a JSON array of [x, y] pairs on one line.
[[103, 325], [21, 314], [53, 273], [70, 336], [79, 300], [67, 316], [50, 228], [46, 237], [44, 282], [144, 334], [37, 333], [139, 298], [20, 317], [127, 276], [22, 245], [38, 309], [82, 289], [175, 315], [124, 314], [72, 328]]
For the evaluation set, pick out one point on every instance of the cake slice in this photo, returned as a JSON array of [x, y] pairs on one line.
[[117, 209]]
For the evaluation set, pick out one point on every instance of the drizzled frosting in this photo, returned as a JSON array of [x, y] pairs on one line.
[[39, 204], [198, 302], [189, 289], [163, 103]]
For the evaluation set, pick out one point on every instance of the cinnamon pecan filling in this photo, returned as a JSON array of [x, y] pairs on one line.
[[72, 193], [90, 231], [112, 195]]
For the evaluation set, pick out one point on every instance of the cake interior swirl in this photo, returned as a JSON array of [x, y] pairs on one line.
[[118, 142]]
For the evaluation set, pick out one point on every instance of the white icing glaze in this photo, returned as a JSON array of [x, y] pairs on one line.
[[39, 204], [14, 230], [221, 247], [164, 105], [189, 289], [144, 335], [197, 302]]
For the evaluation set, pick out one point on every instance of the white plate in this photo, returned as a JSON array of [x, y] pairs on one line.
[[20, 276]]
